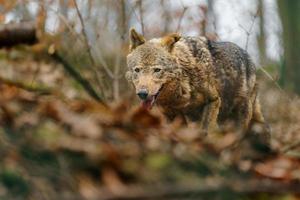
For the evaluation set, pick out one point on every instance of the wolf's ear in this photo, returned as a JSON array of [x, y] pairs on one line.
[[169, 40], [136, 39]]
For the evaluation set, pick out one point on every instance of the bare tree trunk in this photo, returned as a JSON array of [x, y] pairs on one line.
[[261, 38], [166, 16], [290, 18], [141, 13], [211, 18], [122, 21], [41, 19], [123, 27], [63, 7]]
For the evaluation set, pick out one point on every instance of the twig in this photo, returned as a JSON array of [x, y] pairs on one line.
[[249, 31], [89, 48], [78, 36], [84, 33], [274, 81], [64, 20], [101, 59], [76, 75], [290, 147], [180, 18]]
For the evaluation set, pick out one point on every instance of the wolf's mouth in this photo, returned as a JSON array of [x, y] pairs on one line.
[[149, 102]]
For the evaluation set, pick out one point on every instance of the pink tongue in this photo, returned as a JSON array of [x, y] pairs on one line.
[[147, 104]]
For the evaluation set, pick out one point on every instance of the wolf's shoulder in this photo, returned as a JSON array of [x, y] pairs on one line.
[[194, 42], [201, 47], [200, 42], [226, 48], [230, 54], [194, 49]]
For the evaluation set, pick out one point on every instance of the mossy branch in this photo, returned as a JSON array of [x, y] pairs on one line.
[[27, 86], [77, 76]]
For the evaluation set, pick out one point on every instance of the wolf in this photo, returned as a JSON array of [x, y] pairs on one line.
[[195, 79]]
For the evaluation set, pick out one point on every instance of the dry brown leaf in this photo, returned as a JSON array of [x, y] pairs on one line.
[[112, 181], [143, 118], [88, 188], [81, 125], [189, 134], [283, 168]]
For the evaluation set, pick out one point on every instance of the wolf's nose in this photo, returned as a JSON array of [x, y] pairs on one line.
[[143, 94]]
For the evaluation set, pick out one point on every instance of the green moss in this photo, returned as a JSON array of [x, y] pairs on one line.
[[14, 182], [158, 161], [48, 132]]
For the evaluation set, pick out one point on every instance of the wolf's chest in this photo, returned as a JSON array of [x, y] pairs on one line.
[[194, 113], [193, 108]]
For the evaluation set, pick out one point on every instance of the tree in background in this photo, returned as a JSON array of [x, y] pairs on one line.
[[290, 17], [261, 37]]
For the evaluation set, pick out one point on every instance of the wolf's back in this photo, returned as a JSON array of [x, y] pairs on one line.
[[232, 66], [235, 73], [231, 58]]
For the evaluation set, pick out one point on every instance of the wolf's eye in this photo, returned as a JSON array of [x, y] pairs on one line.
[[137, 70], [156, 70]]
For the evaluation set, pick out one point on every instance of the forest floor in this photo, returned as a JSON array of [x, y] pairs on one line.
[[57, 143]]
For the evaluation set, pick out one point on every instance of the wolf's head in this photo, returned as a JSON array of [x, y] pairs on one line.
[[151, 65]]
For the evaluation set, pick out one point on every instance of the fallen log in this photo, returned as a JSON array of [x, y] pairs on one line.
[[198, 191], [17, 33]]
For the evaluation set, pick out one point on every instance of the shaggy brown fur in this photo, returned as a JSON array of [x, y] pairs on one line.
[[195, 78]]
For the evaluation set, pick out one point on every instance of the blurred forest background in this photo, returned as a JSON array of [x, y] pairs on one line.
[[71, 126]]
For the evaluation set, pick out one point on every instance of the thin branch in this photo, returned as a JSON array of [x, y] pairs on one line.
[[290, 147], [76, 35], [76, 75], [27, 86], [89, 48], [249, 31], [274, 81], [84, 33], [180, 18]]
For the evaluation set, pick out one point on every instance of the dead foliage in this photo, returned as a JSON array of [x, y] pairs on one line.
[[76, 148]]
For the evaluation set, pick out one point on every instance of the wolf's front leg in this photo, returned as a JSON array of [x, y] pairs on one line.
[[210, 115]]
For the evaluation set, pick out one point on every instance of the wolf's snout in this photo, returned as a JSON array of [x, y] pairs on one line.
[[143, 94]]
